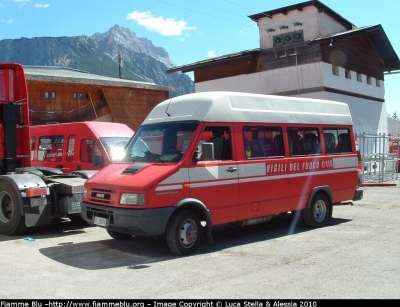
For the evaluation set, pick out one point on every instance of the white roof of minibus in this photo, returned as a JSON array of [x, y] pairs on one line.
[[245, 107]]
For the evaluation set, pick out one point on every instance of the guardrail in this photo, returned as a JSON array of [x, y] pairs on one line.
[[378, 165]]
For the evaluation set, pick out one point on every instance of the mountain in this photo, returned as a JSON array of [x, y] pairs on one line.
[[99, 54]]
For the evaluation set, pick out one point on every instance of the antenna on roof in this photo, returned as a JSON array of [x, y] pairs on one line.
[[166, 111]]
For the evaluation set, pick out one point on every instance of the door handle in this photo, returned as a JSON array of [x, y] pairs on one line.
[[231, 169]]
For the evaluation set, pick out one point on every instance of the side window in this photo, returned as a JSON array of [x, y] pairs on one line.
[[220, 138], [71, 148], [263, 142], [44, 146], [51, 148], [33, 143], [337, 141], [304, 141], [89, 148]]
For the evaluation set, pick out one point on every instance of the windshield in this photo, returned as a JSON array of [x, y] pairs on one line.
[[115, 146], [160, 142]]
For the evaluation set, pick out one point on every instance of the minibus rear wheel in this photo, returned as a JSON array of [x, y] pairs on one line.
[[318, 213], [183, 232]]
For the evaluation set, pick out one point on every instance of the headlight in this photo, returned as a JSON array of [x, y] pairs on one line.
[[84, 192], [132, 199]]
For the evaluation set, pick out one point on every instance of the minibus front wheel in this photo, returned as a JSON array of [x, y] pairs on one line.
[[318, 213], [183, 232]]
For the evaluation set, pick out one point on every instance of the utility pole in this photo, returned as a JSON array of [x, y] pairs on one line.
[[120, 65]]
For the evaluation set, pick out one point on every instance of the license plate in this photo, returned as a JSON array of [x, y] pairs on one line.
[[38, 201], [100, 221]]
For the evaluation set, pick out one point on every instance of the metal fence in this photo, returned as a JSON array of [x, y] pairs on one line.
[[378, 165]]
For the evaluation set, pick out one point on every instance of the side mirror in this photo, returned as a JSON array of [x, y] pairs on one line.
[[207, 151], [98, 161]]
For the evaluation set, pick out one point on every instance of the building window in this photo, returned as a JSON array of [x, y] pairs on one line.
[[75, 96], [335, 70], [347, 73], [359, 77], [46, 95], [378, 83], [87, 96], [80, 96], [369, 80], [53, 95]]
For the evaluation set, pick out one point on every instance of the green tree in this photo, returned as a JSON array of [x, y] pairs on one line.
[[395, 116]]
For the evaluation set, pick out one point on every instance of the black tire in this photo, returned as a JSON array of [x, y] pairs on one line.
[[183, 232], [318, 213], [11, 221], [119, 235]]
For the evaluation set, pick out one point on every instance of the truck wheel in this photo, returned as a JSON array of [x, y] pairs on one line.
[[183, 232], [119, 235], [318, 213], [11, 221]]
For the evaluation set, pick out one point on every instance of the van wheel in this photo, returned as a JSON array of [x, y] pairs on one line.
[[11, 221], [119, 235], [183, 232], [319, 212]]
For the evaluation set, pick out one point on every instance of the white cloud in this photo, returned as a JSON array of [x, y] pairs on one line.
[[166, 27], [42, 6], [10, 21], [211, 53], [22, 3]]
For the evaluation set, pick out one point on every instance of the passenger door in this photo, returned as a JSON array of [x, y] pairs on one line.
[[215, 182]]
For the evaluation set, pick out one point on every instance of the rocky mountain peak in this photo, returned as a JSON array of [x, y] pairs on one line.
[[121, 39]]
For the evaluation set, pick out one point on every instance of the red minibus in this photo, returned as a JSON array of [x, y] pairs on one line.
[[212, 158], [79, 145]]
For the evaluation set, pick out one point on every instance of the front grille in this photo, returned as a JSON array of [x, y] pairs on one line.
[[101, 196]]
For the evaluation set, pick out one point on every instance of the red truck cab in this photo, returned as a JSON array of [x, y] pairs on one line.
[[78, 146]]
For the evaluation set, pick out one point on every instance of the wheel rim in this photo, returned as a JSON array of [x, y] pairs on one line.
[[188, 233], [6, 207], [320, 211]]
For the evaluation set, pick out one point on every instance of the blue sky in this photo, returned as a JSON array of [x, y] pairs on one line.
[[189, 30]]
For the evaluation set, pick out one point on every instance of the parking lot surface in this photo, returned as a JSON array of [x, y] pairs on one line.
[[355, 257]]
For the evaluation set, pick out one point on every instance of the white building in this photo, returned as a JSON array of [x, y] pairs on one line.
[[308, 50]]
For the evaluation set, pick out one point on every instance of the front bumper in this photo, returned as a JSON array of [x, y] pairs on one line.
[[140, 222]]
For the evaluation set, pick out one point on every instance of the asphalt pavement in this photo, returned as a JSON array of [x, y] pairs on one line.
[[357, 256]]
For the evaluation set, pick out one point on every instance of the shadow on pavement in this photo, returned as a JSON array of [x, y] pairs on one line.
[[60, 228], [139, 253]]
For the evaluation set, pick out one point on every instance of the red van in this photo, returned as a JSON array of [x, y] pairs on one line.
[[78, 146], [212, 158]]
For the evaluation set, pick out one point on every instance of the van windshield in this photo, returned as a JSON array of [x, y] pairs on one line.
[[115, 146], [164, 142]]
